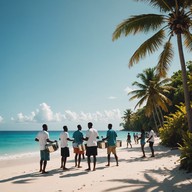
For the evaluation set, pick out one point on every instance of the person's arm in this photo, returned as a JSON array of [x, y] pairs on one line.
[[68, 139], [50, 141], [86, 138], [105, 138], [149, 138]]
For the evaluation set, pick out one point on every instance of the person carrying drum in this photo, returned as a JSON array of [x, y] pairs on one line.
[[43, 138]]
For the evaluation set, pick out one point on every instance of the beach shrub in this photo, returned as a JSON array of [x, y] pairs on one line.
[[186, 152], [175, 124]]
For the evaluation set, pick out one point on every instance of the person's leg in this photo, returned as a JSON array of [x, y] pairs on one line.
[[94, 162], [152, 150], [41, 164], [116, 158], [76, 159], [79, 161], [89, 162], [64, 163], [108, 159], [44, 166], [142, 148]]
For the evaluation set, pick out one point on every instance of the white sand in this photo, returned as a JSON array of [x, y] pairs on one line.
[[133, 173]]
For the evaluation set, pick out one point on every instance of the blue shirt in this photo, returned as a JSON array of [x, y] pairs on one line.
[[111, 137], [78, 137]]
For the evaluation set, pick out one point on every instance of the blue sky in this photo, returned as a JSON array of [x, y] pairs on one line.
[[59, 65]]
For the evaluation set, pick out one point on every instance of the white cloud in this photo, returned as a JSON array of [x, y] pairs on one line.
[[112, 97], [45, 114], [1, 119]]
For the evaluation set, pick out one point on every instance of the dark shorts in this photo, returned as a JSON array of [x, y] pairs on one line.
[[65, 152], [45, 156], [91, 151], [151, 144]]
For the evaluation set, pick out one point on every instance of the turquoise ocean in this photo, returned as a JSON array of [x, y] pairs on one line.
[[15, 144]]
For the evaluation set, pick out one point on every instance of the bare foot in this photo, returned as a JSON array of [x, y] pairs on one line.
[[44, 172], [107, 165], [88, 169], [79, 166]]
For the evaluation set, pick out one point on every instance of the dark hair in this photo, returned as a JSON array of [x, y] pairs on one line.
[[142, 131], [65, 128], [110, 125], [90, 124], [79, 126], [44, 126]]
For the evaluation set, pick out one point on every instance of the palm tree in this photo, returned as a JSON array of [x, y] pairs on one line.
[[152, 91], [127, 116], [177, 22]]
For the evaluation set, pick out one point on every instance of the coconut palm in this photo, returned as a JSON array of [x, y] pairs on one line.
[[127, 115], [176, 21], [152, 92]]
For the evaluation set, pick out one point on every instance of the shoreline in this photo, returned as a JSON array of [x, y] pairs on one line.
[[134, 174]]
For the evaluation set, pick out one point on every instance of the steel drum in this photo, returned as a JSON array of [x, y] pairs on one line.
[[51, 147]]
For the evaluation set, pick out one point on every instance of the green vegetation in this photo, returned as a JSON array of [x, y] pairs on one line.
[[186, 152], [154, 92], [175, 124]]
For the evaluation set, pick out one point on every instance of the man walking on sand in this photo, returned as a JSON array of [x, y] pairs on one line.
[[151, 141], [111, 144], [91, 138], [43, 138]]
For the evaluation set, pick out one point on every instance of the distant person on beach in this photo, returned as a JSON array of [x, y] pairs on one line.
[[151, 140], [91, 150], [142, 141], [43, 137], [111, 144], [64, 138], [129, 140], [78, 145]]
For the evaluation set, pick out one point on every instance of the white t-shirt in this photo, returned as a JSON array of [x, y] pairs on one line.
[[42, 136], [151, 133], [63, 139], [92, 135]]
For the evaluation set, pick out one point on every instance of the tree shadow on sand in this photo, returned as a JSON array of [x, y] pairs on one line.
[[31, 177], [173, 181]]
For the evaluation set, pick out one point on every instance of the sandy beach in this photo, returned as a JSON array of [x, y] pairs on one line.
[[133, 174]]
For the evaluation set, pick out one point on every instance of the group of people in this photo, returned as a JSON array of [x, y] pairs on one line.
[[142, 138], [78, 139]]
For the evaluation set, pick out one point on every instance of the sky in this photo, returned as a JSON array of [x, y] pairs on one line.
[[59, 65]]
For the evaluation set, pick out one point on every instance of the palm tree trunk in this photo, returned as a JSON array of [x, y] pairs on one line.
[[161, 115], [184, 77], [155, 121], [160, 123]]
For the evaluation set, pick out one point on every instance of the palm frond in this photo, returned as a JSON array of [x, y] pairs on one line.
[[165, 59], [138, 23], [149, 46], [140, 103], [188, 40], [140, 85], [168, 5], [137, 94]]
